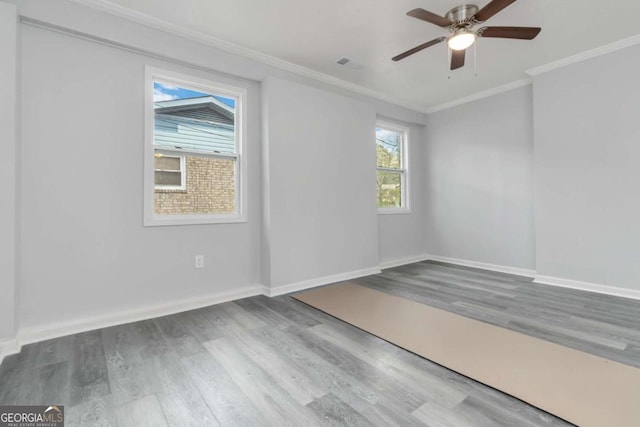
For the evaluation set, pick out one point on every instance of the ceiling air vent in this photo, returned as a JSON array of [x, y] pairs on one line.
[[350, 63]]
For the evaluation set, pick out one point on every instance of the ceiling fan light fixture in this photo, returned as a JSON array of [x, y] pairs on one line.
[[462, 39], [460, 21]]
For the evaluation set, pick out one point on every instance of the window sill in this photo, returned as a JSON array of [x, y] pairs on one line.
[[171, 190], [394, 211], [193, 220]]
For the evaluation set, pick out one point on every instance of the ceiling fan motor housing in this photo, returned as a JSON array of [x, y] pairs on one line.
[[460, 14]]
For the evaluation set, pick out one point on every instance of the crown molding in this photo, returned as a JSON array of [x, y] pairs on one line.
[[479, 95], [583, 56], [200, 37]]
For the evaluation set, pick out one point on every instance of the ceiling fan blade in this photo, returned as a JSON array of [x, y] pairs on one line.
[[418, 48], [457, 59], [523, 33], [491, 9], [430, 17]]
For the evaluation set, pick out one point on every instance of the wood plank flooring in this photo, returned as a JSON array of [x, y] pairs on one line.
[[588, 390], [603, 325], [276, 361]]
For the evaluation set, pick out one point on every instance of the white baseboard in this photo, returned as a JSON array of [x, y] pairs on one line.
[[36, 334], [590, 287], [544, 280], [30, 335], [483, 265], [8, 348], [404, 261], [306, 284]]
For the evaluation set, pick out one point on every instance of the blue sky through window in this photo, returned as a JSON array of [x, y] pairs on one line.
[[389, 140], [164, 92]]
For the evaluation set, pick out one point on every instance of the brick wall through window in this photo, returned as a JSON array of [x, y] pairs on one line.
[[210, 189]]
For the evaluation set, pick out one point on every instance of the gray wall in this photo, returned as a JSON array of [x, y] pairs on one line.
[[321, 183], [479, 181], [83, 249], [404, 236], [8, 55], [587, 150]]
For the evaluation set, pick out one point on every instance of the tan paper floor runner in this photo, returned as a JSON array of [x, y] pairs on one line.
[[584, 389]]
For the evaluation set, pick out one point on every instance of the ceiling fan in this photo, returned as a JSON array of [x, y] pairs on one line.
[[460, 21]]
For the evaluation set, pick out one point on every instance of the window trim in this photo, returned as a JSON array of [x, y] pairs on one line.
[[208, 86], [405, 203], [183, 170]]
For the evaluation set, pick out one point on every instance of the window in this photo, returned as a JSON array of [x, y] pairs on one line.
[[169, 171], [391, 157], [194, 170]]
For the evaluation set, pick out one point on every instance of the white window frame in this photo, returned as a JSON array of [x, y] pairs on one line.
[[405, 206], [153, 74], [183, 171]]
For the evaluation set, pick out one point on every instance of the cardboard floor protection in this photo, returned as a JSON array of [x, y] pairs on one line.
[[584, 389]]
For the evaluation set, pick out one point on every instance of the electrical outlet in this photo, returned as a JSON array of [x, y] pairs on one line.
[[199, 261]]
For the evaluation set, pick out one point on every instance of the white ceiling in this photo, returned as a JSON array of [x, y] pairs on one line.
[[316, 33]]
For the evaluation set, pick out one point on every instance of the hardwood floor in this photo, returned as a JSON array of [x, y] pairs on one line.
[[599, 324], [276, 361]]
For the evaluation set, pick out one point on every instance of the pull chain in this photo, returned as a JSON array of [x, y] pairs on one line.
[[475, 59]]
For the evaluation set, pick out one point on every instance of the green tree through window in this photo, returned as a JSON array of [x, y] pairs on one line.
[[391, 179]]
